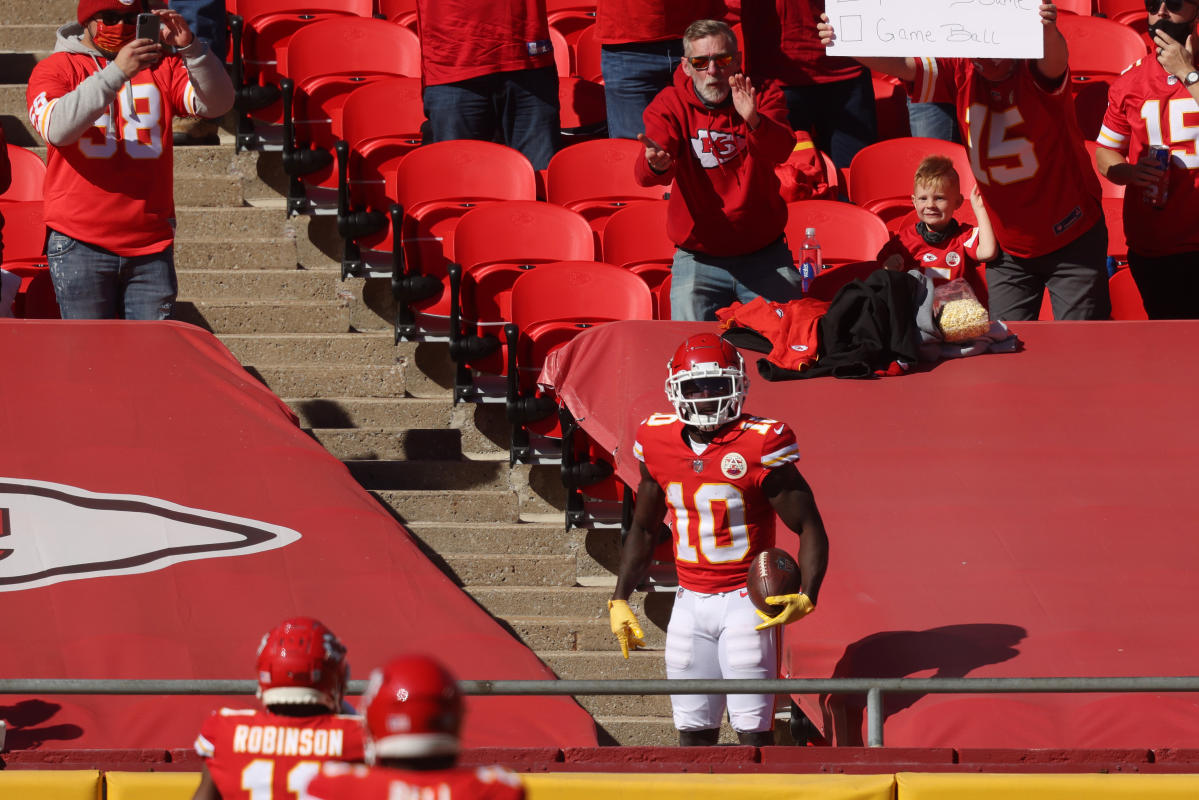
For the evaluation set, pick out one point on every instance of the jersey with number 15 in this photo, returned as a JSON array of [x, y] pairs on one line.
[[721, 518], [112, 187], [256, 755]]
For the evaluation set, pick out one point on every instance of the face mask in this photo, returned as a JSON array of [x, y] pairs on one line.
[[1178, 31], [109, 39]]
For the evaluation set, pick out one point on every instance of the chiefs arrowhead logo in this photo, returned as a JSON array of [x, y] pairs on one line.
[[51, 533]]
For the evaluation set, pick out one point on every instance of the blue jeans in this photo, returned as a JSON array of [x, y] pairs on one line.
[[206, 18], [91, 283], [517, 108], [634, 73], [934, 120], [700, 284], [839, 116]]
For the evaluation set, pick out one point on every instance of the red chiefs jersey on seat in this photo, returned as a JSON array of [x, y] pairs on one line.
[[350, 782], [253, 754], [720, 516]]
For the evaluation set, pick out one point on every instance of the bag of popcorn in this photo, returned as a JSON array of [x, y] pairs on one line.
[[958, 312]]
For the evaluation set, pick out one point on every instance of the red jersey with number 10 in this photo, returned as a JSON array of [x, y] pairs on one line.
[[1026, 151], [255, 754], [720, 517], [356, 782]]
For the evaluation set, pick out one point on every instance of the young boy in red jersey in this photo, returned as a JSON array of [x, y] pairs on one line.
[[938, 245]]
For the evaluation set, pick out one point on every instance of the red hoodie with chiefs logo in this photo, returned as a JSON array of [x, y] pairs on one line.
[[726, 199]]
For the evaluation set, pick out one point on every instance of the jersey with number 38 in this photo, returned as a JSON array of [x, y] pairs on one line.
[[720, 516], [357, 782], [1026, 152], [256, 755], [112, 187]]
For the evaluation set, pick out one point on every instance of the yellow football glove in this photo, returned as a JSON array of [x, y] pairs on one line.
[[625, 626], [795, 608]]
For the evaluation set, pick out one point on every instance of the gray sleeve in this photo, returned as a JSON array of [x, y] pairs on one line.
[[209, 80], [77, 110]]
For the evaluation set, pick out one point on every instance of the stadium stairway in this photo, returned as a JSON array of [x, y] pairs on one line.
[[269, 288]]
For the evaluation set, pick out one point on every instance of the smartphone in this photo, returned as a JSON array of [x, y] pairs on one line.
[[147, 27]]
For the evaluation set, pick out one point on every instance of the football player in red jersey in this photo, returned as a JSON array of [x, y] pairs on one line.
[[259, 755], [412, 711], [724, 475], [1154, 102]]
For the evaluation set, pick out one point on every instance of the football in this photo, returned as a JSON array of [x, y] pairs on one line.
[[772, 572]]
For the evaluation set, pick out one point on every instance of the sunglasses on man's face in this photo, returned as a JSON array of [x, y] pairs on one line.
[[722, 59], [1174, 6], [113, 18]]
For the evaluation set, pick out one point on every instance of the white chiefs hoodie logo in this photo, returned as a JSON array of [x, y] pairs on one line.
[[51, 533], [716, 147]]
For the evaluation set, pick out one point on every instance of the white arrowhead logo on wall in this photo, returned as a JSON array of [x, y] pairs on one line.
[[51, 533]]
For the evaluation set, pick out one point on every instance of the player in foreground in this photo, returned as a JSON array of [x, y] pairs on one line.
[[412, 713], [723, 475], [252, 755]]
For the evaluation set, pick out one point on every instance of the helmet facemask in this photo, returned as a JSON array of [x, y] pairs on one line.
[[707, 395]]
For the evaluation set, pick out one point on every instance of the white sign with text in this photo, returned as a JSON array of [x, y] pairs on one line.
[[947, 28]]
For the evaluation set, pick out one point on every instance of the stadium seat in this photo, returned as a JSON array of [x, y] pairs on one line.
[[595, 178], [1113, 215], [582, 112], [24, 231], [325, 62], [1100, 50], [587, 56], [401, 12], [380, 124], [433, 186], [563, 56], [662, 300], [493, 246], [880, 176], [826, 285], [570, 17], [259, 33], [1126, 12], [635, 239], [1075, 6], [550, 306], [1126, 298], [28, 174], [846, 232], [890, 107]]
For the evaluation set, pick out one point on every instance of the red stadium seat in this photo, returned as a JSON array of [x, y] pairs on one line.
[[570, 17], [260, 31], [890, 107], [595, 178], [1100, 50], [1126, 298], [1075, 6], [563, 56], [587, 56], [1113, 215], [845, 231], [635, 239], [550, 306], [28, 174], [1126, 12], [494, 245], [881, 174], [583, 114], [24, 231], [433, 186], [401, 12], [380, 124], [662, 300], [325, 62], [826, 285]]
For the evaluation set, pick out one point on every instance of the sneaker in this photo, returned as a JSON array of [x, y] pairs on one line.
[[188, 131]]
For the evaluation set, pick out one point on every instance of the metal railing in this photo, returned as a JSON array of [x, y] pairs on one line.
[[873, 688]]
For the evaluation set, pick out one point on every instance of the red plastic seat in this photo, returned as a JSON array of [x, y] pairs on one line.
[[846, 232], [662, 300], [890, 107], [28, 174], [401, 12], [583, 114], [1126, 12], [550, 306], [826, 285], [587, 56], [570, 17], [380, 124], [635, 239], [24, 231], [595, 178], [432, 187], [494, 245], [1113, 216], [881, 174], [1126, 297], [1100, 49], [325, 63], [1075, 6]]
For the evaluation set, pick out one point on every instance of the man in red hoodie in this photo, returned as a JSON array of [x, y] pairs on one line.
[[719, 138]]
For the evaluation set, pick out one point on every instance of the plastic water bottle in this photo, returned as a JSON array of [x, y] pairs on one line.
[[810, 261]]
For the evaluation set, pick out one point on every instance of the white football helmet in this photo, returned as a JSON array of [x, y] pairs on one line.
[[706, 381]]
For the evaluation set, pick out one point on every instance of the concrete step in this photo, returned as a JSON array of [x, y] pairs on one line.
[[477, 569], [633, 731], [257, 284], [26, 37], [521, 539], [305, 348], [606, 665], [235, 222], [499, 507], [303, 381], [236, 254], [578, 602], [601, 554], [442, 473], [208, 190], [267, 316], [577, 635], [39, 11], [655, 707], [14, 114]]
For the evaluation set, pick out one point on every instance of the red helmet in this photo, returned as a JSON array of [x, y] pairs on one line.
[[706, 381], [412, 709], [302, 662]]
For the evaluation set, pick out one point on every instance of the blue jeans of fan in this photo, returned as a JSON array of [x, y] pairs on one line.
[[700, 284], [517, 108], [92, 283], [634, 73]]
